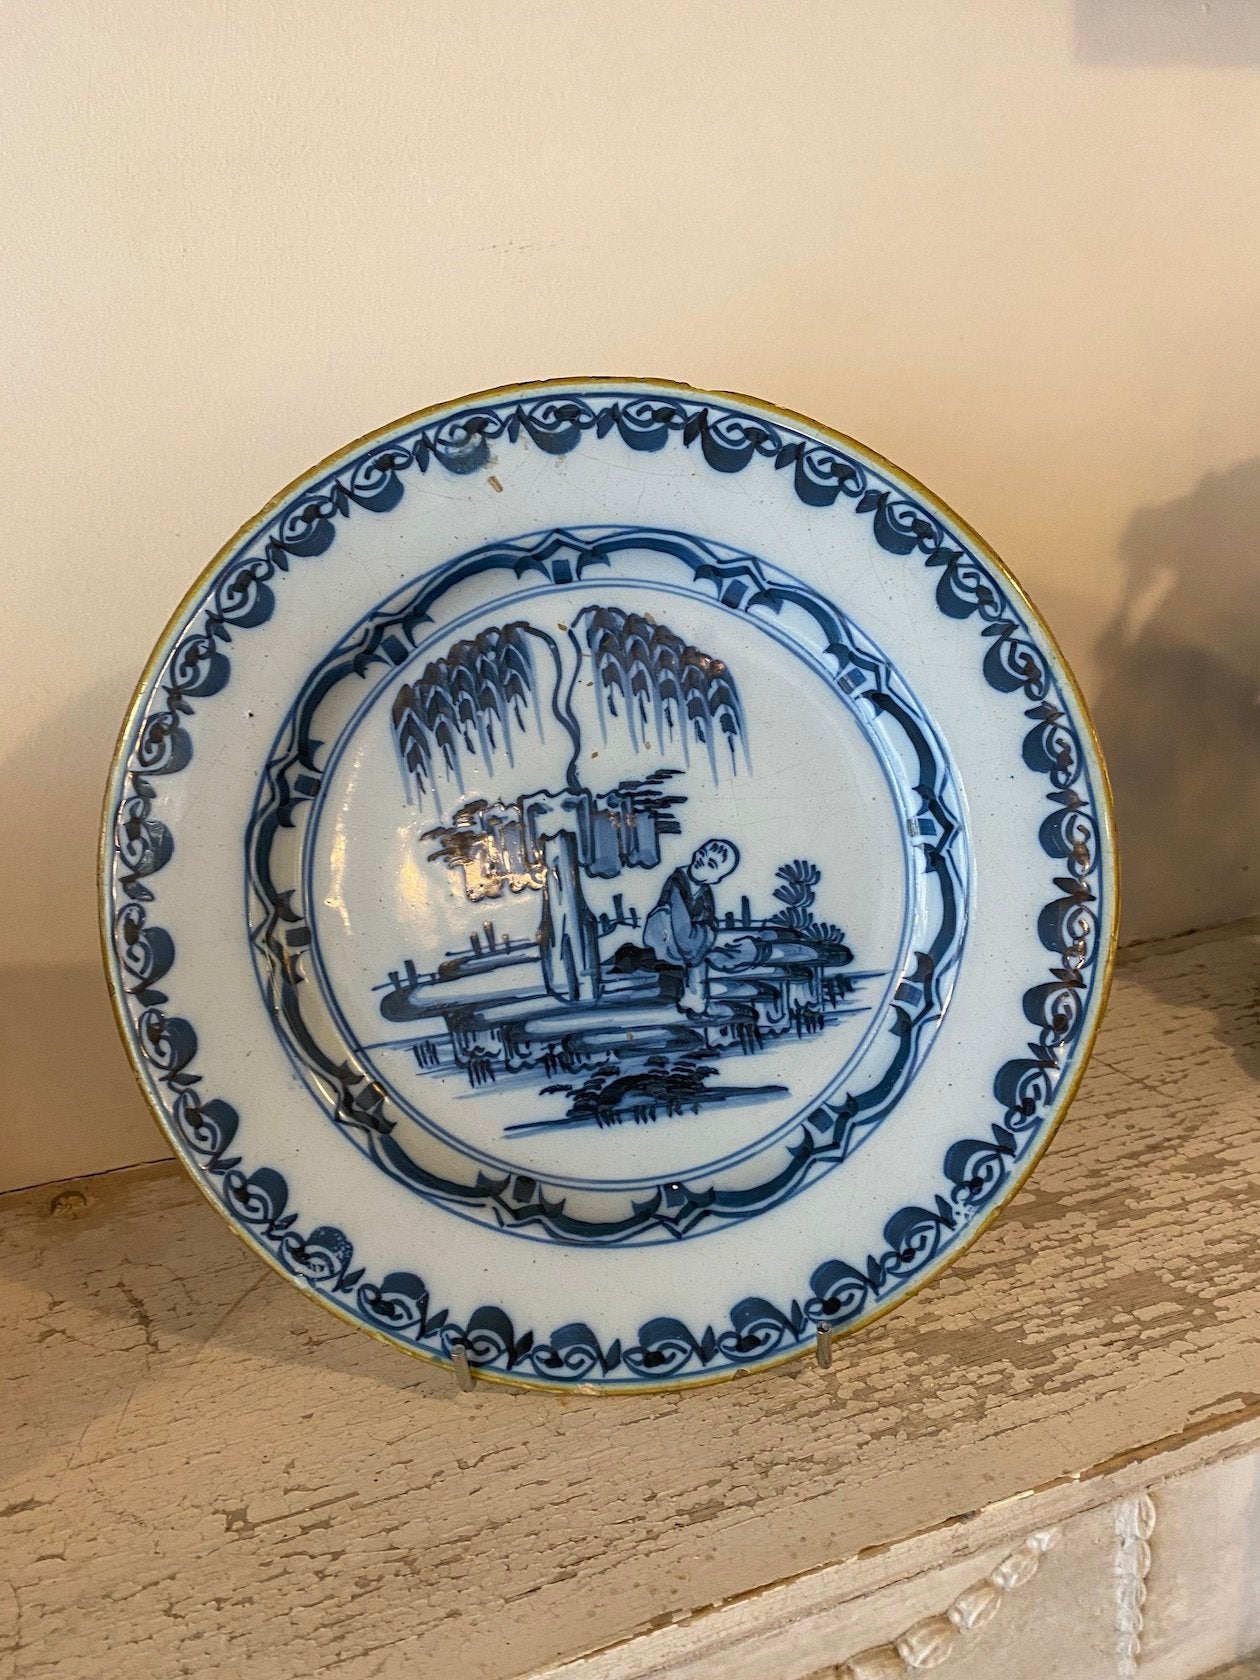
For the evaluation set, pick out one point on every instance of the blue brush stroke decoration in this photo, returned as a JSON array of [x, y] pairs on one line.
[[974, 1170], [517, 1203]]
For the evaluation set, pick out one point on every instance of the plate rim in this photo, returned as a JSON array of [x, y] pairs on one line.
[[1063, 673]]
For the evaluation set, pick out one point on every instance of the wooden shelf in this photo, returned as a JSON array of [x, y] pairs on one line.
[[204, 1474]]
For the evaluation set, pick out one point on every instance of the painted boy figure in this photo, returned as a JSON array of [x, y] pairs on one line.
[[681, 929]]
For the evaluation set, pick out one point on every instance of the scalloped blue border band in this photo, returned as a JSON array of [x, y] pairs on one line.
[[832, 1127], [974, 1169]]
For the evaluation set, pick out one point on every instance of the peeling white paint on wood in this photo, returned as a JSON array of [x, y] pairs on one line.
[[202, 1474], [846, 1622]]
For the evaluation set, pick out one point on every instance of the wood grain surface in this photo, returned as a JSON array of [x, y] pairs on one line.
[[203, 1474], [1143, 1572]]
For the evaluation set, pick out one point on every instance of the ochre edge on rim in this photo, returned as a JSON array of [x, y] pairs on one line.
[[161, 649]]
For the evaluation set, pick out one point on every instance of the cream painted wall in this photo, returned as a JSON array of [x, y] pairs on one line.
[[1013, 246]]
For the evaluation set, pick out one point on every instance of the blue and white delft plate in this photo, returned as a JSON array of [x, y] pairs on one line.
[[611, 878]]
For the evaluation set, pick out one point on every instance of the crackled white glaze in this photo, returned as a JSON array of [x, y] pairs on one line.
[[608, 880]]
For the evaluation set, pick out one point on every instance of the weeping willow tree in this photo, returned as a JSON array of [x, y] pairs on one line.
[[488, 695], [656, 684], [471, 702]]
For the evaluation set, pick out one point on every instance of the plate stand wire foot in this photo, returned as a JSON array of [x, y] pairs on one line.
[[464, 1378], [822, 1346]]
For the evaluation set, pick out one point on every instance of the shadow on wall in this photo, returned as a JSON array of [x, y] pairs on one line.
[[1178, 709], [1121, 33]]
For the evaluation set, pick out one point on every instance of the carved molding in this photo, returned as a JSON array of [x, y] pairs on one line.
[[1135, 1523], [932, 1641]]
